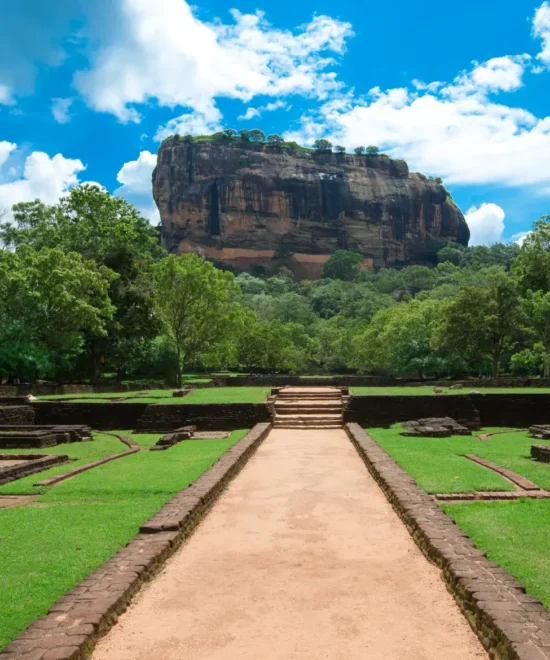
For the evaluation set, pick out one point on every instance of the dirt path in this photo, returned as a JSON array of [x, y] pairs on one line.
[[301, 558]]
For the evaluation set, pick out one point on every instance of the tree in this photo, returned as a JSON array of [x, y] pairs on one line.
[[340, 149], [532, 266], [359, 150], [322, 145], [275, 139], [112, 233], [342, 265], [55, 297], [537, 308], [450, 254], [481, 321], [256, 135], [230, 132], [195, 303], [372, 150], [244, 135]]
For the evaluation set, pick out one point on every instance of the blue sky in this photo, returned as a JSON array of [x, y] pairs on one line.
[[87, 91]]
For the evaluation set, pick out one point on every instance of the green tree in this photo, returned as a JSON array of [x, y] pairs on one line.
[[195, 303], [359, 150], [340, 149], [322, 145], [56, 298], [481, 321], [450, 254], [532, 266], [275, 139], [372, 150], [256, 135], [342, 265]]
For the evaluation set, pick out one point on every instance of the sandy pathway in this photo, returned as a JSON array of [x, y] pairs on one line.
[[301, 558]]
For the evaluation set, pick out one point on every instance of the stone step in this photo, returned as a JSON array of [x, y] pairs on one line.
[[309, 427], [285, 410], [313, 415]]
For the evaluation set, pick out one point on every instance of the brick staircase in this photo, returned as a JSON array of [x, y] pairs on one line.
[[308, 407]]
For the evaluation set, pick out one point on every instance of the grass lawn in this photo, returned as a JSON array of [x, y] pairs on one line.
[[207, 395], [514, 534], [425, 390], [46, 548], [438, 464]]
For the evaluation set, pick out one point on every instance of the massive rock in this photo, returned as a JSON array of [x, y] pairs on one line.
[[257, 209]]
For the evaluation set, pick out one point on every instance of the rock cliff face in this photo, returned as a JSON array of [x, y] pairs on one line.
[[259, 209]]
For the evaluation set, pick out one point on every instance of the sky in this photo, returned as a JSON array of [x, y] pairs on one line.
[[461, 91]]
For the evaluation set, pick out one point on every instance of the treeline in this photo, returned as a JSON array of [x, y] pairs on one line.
[[87, 293], [257, 139]]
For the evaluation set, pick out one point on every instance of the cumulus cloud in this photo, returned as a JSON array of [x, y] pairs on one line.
[[5, 95], [167, 54], [41, 177], [60, 110], [251, 113], [541, 30], [6, 149], [486, 224], [135, 177], [520, 237], [457, 131], [192, 123]]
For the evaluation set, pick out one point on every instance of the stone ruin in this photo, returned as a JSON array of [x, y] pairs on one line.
[[434, 427], [171, 439], [540, 453], [30, 436], [540, 431]]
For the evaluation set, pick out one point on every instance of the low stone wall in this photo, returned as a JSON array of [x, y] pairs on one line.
[[13, 415], [514, 410], [100, 416], [26, 464], [153, 418], [205, 416], [510, 624], [383, 411], [541, 453]]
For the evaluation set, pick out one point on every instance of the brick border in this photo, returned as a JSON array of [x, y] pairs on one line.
[[34, 463], [510, 624], [77, 620], [517, 479], [134, 447]]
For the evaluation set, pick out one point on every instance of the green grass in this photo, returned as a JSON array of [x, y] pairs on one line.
[[206, 395], [228, 395], [438, 464], [424, 390], [514, 534], [46, 548]]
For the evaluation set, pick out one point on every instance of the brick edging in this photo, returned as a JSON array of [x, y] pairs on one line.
[[510, 624], [78, 619], [44, 462]]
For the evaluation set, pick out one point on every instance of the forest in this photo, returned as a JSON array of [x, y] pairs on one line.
[[87, 294]]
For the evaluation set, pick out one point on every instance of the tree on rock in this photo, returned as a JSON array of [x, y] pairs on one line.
[[195, 303], [359, 150], [256, 135], [372, 150], [342, 265], [322, 145], [340, 149]]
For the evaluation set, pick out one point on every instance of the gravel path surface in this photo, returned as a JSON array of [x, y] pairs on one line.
[[301, 558]]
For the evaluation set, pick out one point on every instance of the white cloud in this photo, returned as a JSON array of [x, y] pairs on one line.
[[541, 30], [41, 178], [269, 107], [192, 123], [60, 110], [135, 177], [5, 95], [6, 149], [457, 131], [520, 237], [486, 224], [166, 53]]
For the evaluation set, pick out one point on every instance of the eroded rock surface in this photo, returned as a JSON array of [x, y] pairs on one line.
[[252, 209]]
